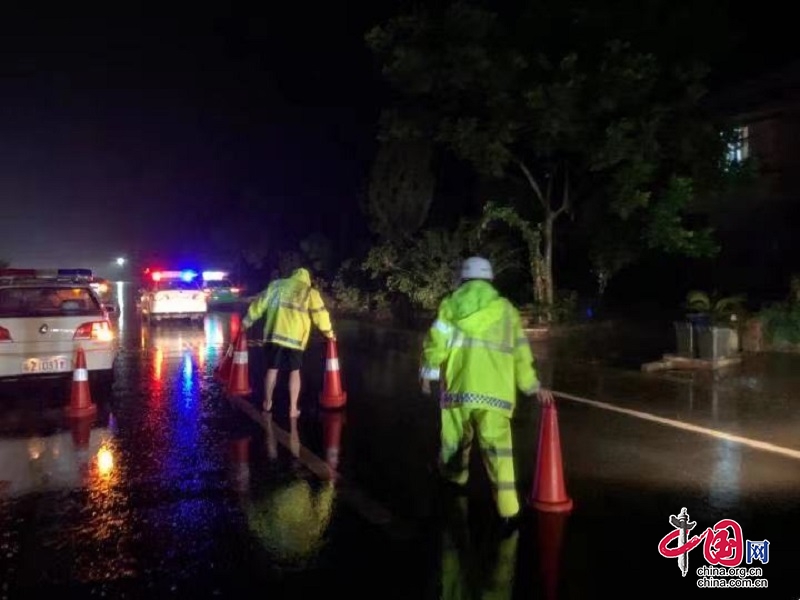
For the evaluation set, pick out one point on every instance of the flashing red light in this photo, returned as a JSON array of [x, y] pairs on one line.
[[156, 276]]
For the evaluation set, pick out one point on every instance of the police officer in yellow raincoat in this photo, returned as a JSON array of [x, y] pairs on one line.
[[478, 352], [290, 306]]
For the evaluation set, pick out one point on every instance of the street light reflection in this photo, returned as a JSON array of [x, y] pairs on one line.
[[105, 461]]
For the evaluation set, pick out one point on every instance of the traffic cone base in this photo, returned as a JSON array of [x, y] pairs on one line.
[[549, 493], [81, 430], [332, 402], [239, 382], [554, 507], [80, 403], [82, 413], [332, 395]]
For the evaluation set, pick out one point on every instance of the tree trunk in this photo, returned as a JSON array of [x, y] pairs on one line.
[[547, 270]]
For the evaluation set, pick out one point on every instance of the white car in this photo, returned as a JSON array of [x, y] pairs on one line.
[[43, 321], [173, 295]]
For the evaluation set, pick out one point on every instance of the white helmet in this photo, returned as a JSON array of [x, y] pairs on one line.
[[476, 267]]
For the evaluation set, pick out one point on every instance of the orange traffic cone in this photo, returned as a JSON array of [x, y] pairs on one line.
[[332, 395], [80, 404], [222, 372], [549, 494], [332, 436], [236, 325], [239, 381], [550, 536]]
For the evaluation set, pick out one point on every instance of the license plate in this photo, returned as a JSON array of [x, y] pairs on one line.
[[54, 364]]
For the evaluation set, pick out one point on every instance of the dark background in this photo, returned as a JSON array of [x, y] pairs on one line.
[[122, 135]]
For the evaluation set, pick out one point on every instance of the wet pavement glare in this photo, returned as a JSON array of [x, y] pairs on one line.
[[172, 490]]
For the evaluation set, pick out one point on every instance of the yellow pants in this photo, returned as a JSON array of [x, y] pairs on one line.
[[459, 426]]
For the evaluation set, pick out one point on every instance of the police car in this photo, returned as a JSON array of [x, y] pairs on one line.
[[45, 315], [173, 295]]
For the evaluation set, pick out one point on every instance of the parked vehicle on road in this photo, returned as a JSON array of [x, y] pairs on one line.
[[220, 290], [44, 318]]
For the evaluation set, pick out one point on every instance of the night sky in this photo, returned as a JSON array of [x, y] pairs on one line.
[[120, 135]]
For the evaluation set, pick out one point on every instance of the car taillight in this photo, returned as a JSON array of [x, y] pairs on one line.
[[235, 290], [96, 330], [5, 335]]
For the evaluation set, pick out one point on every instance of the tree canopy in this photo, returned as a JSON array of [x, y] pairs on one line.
[[579, 123]]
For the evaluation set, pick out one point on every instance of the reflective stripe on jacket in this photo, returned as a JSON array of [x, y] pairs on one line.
[[477, 348], [289, 307]]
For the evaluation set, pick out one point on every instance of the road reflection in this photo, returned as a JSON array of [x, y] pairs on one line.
[[476, 562]]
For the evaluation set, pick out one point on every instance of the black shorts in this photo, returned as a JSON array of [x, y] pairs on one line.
[[283, 358]]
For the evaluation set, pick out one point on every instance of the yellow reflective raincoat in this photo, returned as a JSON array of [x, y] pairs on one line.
[[477, 348], [290, 305], [477, 339]]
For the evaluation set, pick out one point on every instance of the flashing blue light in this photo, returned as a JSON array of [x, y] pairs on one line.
[[188, 275]]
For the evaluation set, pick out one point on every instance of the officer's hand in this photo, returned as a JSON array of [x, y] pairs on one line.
[[545, 396], [425, 384]]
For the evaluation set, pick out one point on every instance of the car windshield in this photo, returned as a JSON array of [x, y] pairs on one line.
[[47, 301], [213, 285], [176, 284]]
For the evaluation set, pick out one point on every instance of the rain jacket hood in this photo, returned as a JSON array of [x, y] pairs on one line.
[[476, 305], [301, 275]]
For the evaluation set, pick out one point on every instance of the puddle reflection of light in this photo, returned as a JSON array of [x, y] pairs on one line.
[[158, 361], [725, 479], [213, 331], [201, 357], [36, 448], [105, 461], [187, 380], [145, 337], [121, 304], [215, 338]]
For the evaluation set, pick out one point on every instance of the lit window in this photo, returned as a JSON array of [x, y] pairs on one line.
[[739, 147]]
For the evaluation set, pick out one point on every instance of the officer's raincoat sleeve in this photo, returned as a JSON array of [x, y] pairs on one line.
[[436, 347], [319, 314], [258, 306], [524, 372]]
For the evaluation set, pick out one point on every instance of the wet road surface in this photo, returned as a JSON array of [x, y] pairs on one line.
[[172, 490]]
